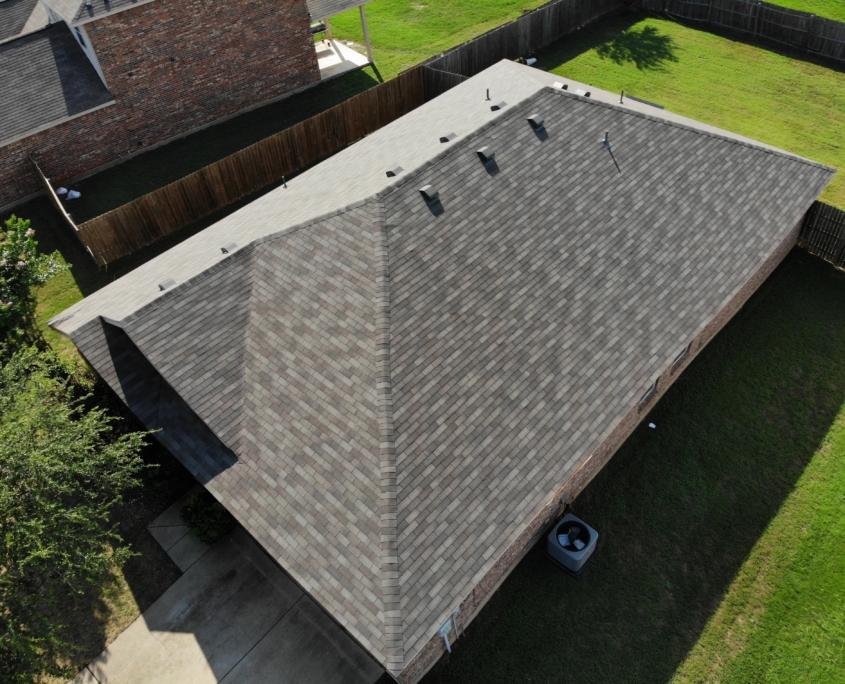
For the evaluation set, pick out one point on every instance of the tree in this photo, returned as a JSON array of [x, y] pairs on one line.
[[62, 470], [22, 268]]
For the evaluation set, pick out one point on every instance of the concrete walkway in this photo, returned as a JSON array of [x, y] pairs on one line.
[[233, 617]]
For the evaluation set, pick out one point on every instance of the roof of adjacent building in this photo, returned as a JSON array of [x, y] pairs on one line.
[[14, 15], [385, 391], [323, 9], [46, 78]]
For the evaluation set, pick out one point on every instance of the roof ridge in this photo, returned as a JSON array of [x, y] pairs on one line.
[[761, 147], [393, 634]]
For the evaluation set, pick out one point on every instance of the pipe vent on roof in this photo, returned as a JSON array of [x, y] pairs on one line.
[[449, 137], [499, 105], [429, 193], [228, 249], [486, 154], [536, 121], [394, 172], [167, 284]]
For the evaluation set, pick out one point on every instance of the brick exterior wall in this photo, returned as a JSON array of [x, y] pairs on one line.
[[172, 65], [482, 592]]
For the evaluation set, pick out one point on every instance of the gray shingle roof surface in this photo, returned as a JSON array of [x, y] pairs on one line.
[[404, 386], [13, 16], [322, 9], [44, 78]]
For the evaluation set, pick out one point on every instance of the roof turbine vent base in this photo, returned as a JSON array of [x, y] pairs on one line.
[[536, 121], [429, 193], [486, 154]]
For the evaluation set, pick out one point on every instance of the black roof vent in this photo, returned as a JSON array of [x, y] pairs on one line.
[[448, 137], [486, 154], [167, 284], [429, 193], [536, 121], [228, 249], [394, 172], [499, 105]]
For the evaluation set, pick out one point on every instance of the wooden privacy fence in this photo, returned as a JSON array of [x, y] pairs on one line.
[[823, 233], [762, 20], [141, 222], [134, 225], [518, 38]]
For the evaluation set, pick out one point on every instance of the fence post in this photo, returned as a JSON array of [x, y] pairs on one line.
[[709, 10]]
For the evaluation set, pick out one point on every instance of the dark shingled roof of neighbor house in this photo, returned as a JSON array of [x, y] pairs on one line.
[[45, 78], [14, 15], [387, 393]]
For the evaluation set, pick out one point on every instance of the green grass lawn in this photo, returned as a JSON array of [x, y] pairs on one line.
[[831, 9], [794, 104], [722, 532]]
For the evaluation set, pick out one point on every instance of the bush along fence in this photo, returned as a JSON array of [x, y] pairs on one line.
[[823, 233], [141, 222], [800, 30]]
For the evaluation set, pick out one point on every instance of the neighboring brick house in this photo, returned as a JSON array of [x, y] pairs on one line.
[[140, 72], [395, 396]]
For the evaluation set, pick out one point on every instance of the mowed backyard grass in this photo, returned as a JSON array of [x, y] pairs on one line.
[[794, 104], [830, 9], [722, 532]]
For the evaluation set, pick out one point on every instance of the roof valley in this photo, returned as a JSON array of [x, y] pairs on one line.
[[393, 624]]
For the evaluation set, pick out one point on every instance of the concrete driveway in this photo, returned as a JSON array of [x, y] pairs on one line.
[[233, 617]]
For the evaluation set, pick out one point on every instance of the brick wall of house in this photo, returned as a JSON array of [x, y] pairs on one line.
[[482, 592], [172, 65]]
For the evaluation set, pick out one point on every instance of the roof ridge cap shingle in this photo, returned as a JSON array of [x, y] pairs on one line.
[[762, 147], [393, 631]]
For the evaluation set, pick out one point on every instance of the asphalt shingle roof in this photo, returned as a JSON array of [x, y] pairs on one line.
[[13, 16], [385, 396], [45, 77]]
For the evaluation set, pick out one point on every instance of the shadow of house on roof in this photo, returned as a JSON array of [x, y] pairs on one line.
[[411, 395]]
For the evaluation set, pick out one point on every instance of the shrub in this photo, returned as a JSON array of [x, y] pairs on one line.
[[62, 471], [22, 268], [206, 518]]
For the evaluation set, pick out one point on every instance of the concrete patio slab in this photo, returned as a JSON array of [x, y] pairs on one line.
[[234, 616], [305, 647], [335, 58], [168, 528], [205, 623], [187, 551]]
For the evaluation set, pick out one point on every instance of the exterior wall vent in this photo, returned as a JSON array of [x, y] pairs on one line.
[[228, 249], [650, 394], [536, 121], [167, 284], [486, 154], [429, 193], [449, 137], [499, 105], [391, 173]]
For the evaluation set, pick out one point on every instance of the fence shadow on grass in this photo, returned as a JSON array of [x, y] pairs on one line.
[[678, 509], [646, 48]]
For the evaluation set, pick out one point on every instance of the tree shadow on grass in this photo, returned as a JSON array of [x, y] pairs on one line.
[[678, 509], [646, 48]]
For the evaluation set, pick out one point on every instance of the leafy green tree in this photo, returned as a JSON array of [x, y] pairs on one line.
[[62, 471], [22, 268]]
